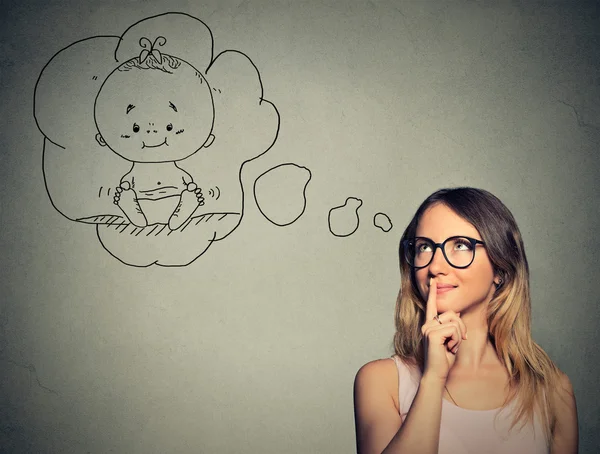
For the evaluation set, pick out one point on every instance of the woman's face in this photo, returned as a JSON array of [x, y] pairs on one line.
[[457, 289]]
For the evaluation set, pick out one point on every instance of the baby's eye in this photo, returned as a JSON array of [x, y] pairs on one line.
[[169, 127], [136, 127]]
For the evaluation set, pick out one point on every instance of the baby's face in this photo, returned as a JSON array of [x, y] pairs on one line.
[[147, 115]]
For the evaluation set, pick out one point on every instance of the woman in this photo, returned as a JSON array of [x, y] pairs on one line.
[[466, 376]]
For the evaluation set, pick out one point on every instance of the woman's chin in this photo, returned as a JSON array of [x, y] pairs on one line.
[[445, 305]]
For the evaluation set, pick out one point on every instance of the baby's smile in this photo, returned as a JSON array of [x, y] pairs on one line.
[[164, 142]]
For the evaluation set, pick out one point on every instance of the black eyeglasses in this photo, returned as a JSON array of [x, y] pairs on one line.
[[459, 251]]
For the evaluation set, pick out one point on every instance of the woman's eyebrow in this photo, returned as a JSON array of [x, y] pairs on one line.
[[172, 106], [130, 107]]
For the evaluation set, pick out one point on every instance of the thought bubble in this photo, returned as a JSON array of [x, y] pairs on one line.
[[344, 220], [86, 166], [280, 193], [382, 221]]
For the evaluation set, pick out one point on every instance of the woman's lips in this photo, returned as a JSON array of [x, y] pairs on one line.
[[441, 288]]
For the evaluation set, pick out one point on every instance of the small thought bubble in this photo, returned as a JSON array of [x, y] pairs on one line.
[[382, 221], [344, 219]]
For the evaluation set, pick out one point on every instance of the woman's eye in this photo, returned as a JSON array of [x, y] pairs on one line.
[[423, 247], [136, 127], [169, 127], [462, 246]]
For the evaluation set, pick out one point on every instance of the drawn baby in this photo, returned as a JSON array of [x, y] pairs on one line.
[[155, 110]]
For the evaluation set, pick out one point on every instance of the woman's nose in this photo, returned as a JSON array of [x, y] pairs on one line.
[[438, 264], [151, 129]]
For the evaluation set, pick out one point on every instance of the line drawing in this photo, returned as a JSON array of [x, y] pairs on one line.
[[344, 220], [382, 221], [146, 136], [280, 193]]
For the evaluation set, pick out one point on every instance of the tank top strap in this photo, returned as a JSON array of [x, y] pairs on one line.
[[408, 384]]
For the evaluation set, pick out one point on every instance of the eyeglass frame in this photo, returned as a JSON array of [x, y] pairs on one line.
[[474, 242]]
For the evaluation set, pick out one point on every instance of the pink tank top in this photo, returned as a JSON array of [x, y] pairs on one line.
[[473, 431]]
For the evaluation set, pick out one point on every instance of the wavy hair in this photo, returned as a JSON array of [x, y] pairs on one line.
[[167, 63], [533, 375]]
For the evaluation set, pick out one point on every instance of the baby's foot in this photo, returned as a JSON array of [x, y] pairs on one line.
[[126, 199], [190, 199]]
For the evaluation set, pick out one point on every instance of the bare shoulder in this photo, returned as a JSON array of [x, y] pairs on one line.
[[380, 375], [564, 395], [379, 370], [566, 431], [376, 413], [565, 384]]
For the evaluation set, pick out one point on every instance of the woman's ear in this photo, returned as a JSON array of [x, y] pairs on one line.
[[498, 281]]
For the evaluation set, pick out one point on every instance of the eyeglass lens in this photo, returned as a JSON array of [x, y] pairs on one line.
[[459, 251]]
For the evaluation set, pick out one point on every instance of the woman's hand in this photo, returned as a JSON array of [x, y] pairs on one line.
[[442, 335]]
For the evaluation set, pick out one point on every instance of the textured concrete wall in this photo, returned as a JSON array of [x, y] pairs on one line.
[[253, 346]]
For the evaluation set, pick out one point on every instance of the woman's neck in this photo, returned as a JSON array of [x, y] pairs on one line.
[[477, 350]]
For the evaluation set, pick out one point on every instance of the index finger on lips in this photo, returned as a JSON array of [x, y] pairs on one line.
[[431, 309]]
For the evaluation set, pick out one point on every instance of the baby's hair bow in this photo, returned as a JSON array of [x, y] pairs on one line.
[[151, 48]]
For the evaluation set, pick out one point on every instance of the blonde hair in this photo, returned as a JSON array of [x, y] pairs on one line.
[[533, 375]]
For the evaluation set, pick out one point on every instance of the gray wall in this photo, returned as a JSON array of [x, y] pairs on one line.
[[254, 346]]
